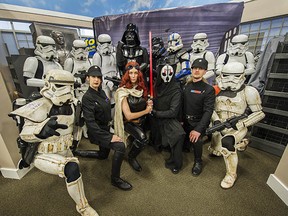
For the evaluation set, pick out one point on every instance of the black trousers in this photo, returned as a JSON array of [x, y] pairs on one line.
[[197, 146]]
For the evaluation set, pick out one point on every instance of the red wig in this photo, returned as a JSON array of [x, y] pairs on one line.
[[125, 82]]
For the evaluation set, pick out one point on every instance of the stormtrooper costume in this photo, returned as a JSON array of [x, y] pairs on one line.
[[178, 58], [237, 52], [48, 134], [36, 67], [105, 58], [233, 100], [199, 46], [78, 64]]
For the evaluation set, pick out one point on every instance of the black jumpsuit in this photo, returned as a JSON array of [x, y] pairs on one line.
[[97, 114], [199, 99]]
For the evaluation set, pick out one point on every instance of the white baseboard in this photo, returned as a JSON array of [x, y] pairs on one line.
[[15, 173], [278, 187]]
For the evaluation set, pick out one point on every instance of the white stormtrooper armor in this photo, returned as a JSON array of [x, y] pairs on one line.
[[199, 46], [35, 68], [237, 52], [233, 100], [78, 64], [174, 42], [53, 153], [177, 58], [105, 58]]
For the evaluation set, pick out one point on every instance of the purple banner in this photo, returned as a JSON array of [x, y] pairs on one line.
[[214, 20]]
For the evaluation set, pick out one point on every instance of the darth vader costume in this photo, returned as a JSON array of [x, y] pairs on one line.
[[166, 111], [129, 48]]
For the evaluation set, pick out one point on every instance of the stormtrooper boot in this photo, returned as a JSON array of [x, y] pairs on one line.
[[215, 146], [231, 162], [76, 191]]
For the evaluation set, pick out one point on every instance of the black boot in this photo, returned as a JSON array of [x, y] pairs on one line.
[[120, 183], [89, 153], [197, 168], [115, 177], [134, 152]]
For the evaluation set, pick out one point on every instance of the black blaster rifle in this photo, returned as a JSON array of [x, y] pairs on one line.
[[81, 75], [229, 123], [116, 81]]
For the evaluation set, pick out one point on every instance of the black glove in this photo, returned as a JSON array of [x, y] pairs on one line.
[[77, 85], [50, 128], [154, 113], [216, 122]]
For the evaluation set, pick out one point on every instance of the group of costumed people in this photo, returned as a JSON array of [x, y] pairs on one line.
[[119, 114]]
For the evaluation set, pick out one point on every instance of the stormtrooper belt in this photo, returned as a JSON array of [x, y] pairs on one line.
[[56, 145]]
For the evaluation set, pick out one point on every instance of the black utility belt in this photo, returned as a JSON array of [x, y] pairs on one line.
[[191, 117]]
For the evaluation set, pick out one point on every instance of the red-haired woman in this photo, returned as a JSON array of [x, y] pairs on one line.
[[131, 108]]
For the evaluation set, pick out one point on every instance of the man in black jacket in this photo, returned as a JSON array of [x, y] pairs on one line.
[[199, 99], [97, 115]]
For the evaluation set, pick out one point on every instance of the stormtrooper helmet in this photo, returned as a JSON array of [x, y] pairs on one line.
[[167, 73], [45, 48], [174, 42], [238, 45], [232, 76], [157, 47], [131, 36], [200, 42], [58, 86], [104, 44], [79, 50]]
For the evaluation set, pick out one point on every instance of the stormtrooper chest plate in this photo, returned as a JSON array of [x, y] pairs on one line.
[[227, 107]]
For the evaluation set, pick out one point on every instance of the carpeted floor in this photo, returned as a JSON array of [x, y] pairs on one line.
[[156, 191]]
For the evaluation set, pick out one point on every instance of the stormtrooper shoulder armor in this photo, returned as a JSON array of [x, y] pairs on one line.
[[35, 111], [30, 67]]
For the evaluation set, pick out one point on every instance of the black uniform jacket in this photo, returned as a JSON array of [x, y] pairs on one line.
[[199, 100], [97, 114]]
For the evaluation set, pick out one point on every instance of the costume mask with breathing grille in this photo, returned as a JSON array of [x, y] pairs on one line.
[[131, 36], [167, 73], [58, 87], [174, 42], [157, 47], [200, 42], [45, 48], [104, 44], [238, 45], [79, 50], [232, 76]]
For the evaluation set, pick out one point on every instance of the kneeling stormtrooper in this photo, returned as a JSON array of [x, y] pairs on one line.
[[233, 100], [47, 135]]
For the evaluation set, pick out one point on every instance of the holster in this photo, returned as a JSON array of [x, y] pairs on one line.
[[30, 152]]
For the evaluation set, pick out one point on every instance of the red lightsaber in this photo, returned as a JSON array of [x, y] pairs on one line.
[[151, 66]]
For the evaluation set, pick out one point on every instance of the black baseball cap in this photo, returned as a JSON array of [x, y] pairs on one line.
[[94, 71], [200, 63]]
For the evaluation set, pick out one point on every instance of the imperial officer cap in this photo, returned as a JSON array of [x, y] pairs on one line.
[[200, 63], [94, 71]]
